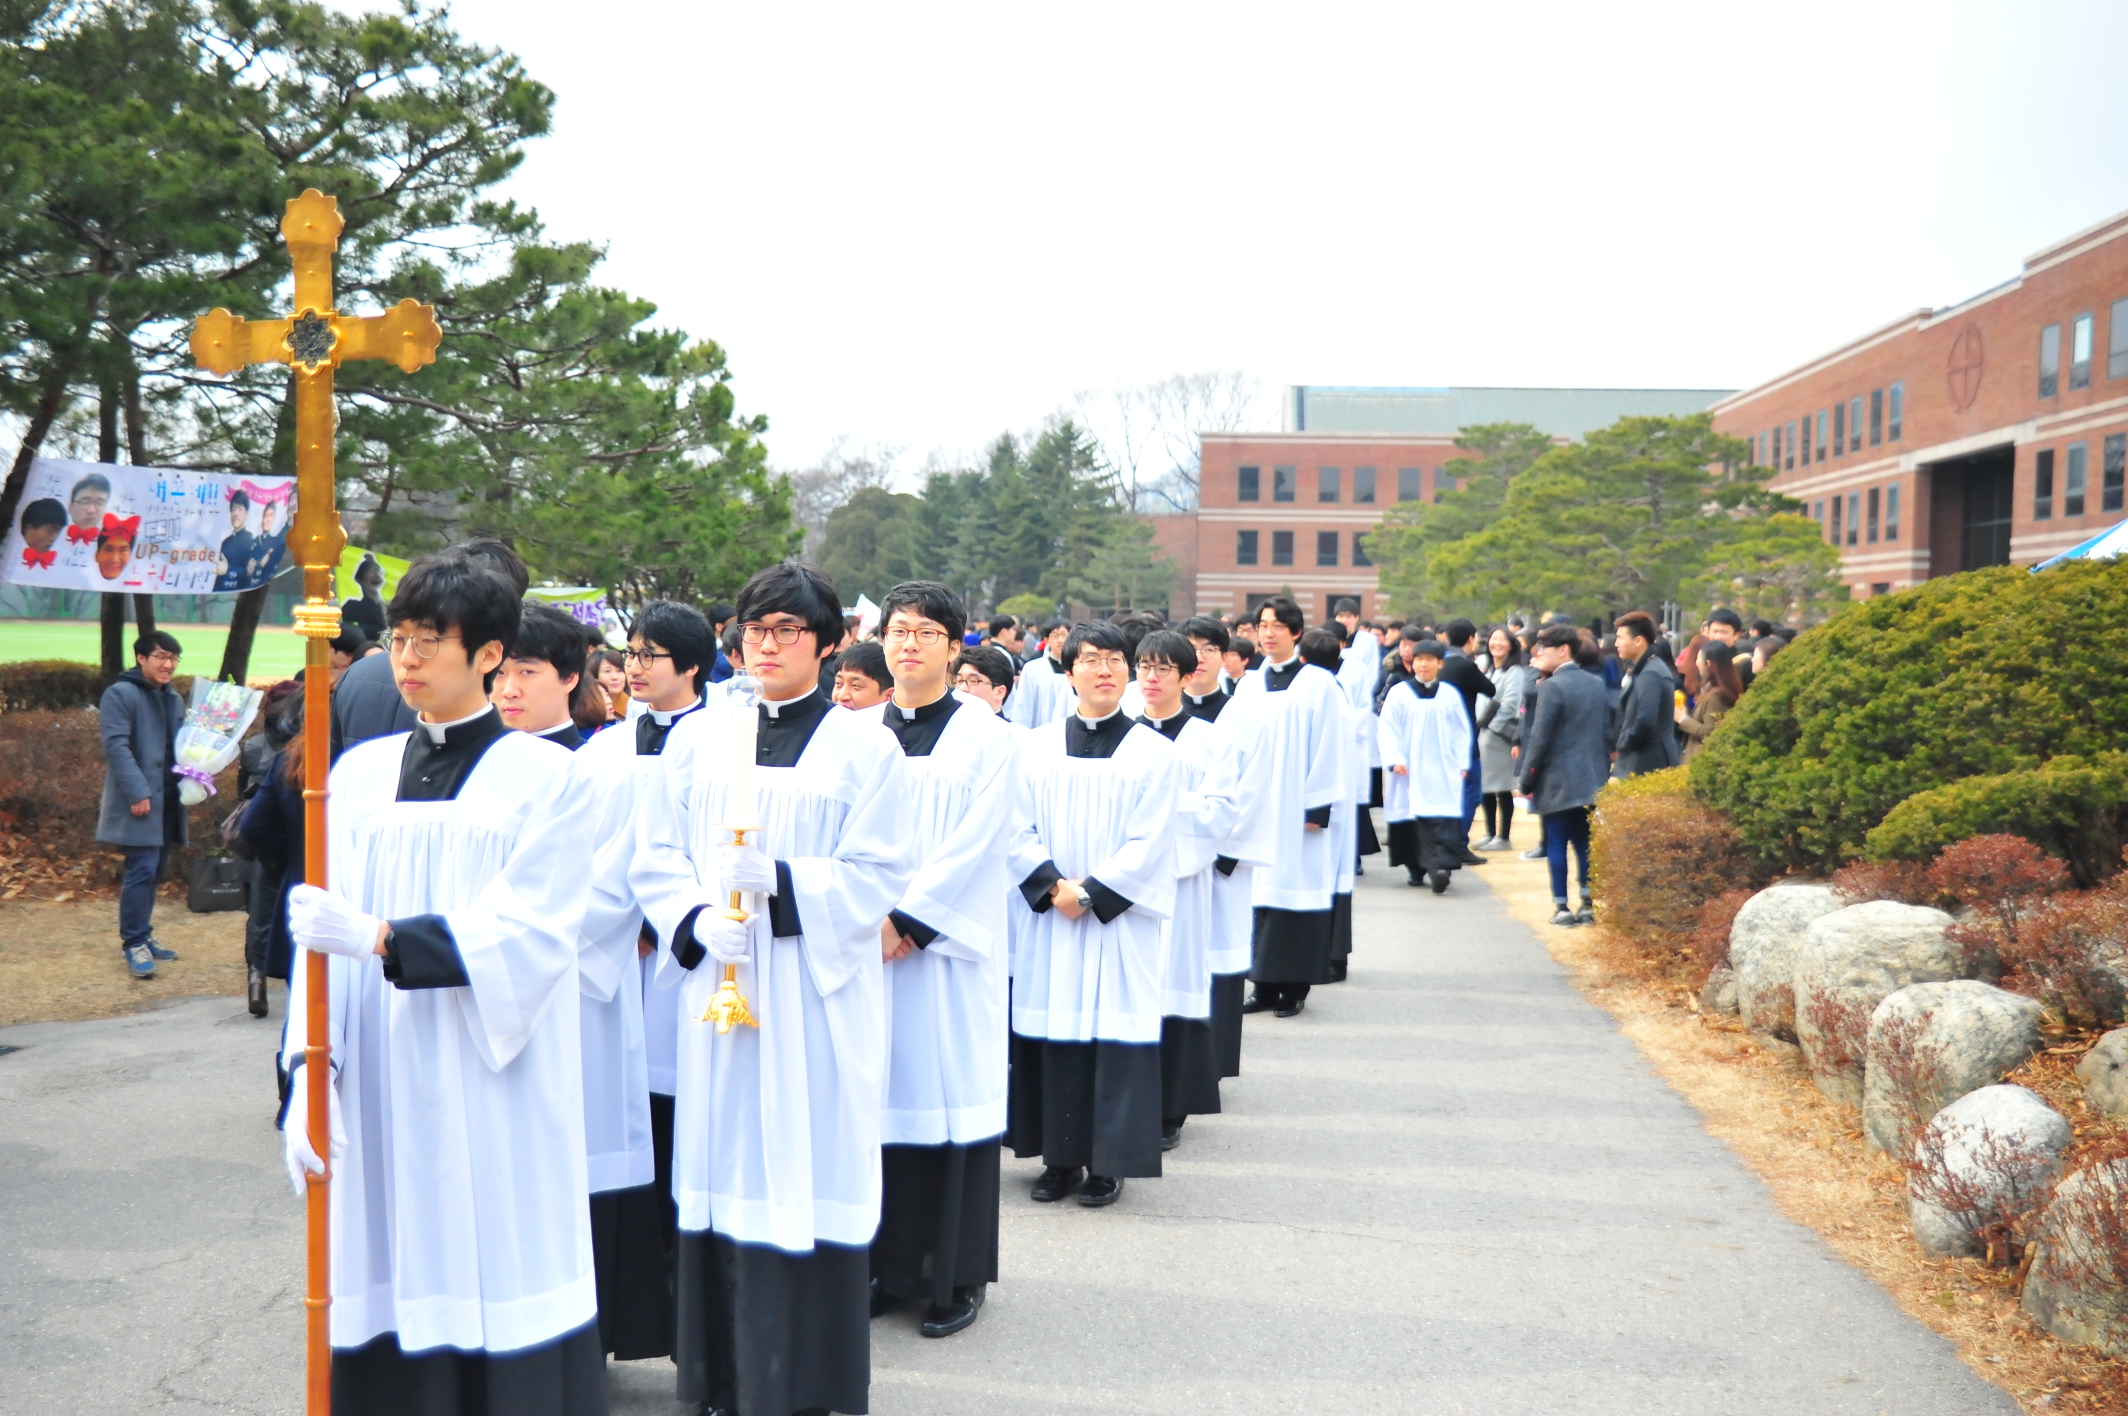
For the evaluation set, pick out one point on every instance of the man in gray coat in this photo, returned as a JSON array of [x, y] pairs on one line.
[[1566, 760], [1647, 737], [139, 716]]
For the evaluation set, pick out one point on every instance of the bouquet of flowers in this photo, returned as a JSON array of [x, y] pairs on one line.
[[208, 741]]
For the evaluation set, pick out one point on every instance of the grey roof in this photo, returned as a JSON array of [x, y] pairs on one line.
[[1567, 412]]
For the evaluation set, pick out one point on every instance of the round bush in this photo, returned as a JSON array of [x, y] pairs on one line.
[[2070, 808], [1979, 674]]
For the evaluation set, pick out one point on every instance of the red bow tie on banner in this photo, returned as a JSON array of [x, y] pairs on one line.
[[80, 535], [38, 560], [129, 527]]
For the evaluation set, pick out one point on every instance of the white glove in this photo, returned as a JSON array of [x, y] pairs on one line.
[[295, 1135], [728, 941], [745, 868], [324, 923]]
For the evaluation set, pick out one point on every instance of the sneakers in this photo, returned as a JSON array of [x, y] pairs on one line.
[[1536, 854], [156, 949], [1587, 913], [1493, 843], [1566, 918], [139, 961]]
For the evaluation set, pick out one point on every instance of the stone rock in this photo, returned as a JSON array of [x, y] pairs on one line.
[[1762, 944], [2104, 1073], [1982, 1162], [1718, 994], [2076, 1288], [1850, 961], [1931, 1044]]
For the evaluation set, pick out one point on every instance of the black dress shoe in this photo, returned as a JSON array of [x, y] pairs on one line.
[[1471, 857], [1415, 878], [1170, 1134], [1338, 970], [1101, 1190], [255, 995], [1438, 879], [1259, 1003], [944, 1322], [1057, 1182], [880, 1301], [1289, 1008]]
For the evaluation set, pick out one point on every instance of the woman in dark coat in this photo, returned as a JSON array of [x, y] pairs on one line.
[[272, 826], [1719, 689]]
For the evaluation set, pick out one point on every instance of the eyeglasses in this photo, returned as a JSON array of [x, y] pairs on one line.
[[645, 657], [162, 656], [1098, 662], [973, 683], [899, 634], [785, 633], [1158, 671], [423, 645]]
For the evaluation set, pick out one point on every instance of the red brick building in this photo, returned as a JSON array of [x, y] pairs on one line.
[[1994, 432], [1289, 512]]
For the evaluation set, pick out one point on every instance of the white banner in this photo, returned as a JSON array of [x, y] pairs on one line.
[[147, 530]]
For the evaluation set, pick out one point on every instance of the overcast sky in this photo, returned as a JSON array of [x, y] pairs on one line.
[[919, 225]]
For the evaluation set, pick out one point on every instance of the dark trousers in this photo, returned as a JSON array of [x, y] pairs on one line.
[[1472, 780], [1561, 829], [1499, 814], [136, 897]]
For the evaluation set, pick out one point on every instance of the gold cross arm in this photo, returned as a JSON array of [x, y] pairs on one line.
[[407, 335]]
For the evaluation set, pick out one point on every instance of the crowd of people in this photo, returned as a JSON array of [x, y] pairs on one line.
[[685, 997]]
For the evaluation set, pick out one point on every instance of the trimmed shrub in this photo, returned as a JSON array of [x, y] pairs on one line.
[[1658, 855], [2071, 807], [1980, 674], [49, 685]]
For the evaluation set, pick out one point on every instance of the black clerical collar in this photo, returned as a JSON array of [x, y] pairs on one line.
[[1100, 738], [1169, 727], [787, 727], [563, 734], [1279, 677], [653, 727], [1210, 706], [1426, 690], [440, 757], [920, 728]]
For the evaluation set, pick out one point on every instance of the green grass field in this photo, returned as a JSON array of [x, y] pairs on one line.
[[276, 653]]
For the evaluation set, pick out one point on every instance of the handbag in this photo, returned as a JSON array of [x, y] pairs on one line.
[[218, 883]]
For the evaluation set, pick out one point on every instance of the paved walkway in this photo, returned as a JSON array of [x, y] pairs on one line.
[[1449, 1186]]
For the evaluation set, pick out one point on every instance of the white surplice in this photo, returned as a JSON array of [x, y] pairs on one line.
[[777, 1129], [1042, 696], [1431, 737], [1205, 807], [610, 975], [1296, 759], [1112, 818], [946, 1026], [460, 1209], [1358, 674]]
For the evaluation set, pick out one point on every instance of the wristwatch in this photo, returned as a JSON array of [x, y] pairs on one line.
[[1086, 901]]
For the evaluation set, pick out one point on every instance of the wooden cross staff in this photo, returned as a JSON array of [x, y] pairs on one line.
[[315, 340]]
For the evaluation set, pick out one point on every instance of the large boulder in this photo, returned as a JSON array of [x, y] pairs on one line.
[[1852, 960], [1931, 1044], [1979, 1168], [2104, 1073], [2077, 1288], [1762, 945]]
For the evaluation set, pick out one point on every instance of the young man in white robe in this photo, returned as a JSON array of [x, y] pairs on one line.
[[629, 1132], [777, 1125], [1323, 649], [1092, 853], [1291, 717], [946, 955], [1044, 692], [1204, 816], [1359, 673], [1203, 693], [671, 650], [462, 1270], [1229, 938], [1425, 741]]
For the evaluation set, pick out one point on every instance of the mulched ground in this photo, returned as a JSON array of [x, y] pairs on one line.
[[59, 961]]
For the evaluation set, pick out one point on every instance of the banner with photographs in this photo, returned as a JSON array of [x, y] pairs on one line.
[[147, 530]]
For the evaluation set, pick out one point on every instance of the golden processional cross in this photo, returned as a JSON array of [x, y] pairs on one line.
[[314, 341]]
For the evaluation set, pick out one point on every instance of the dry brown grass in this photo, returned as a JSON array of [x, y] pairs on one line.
[[60, 962], [1809, 1150]]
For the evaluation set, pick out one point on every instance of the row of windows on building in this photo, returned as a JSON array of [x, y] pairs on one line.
[[1859, 516], [2080, 346], [1834, 431], [2076, 475], [1330, 484], [1248, 546]]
